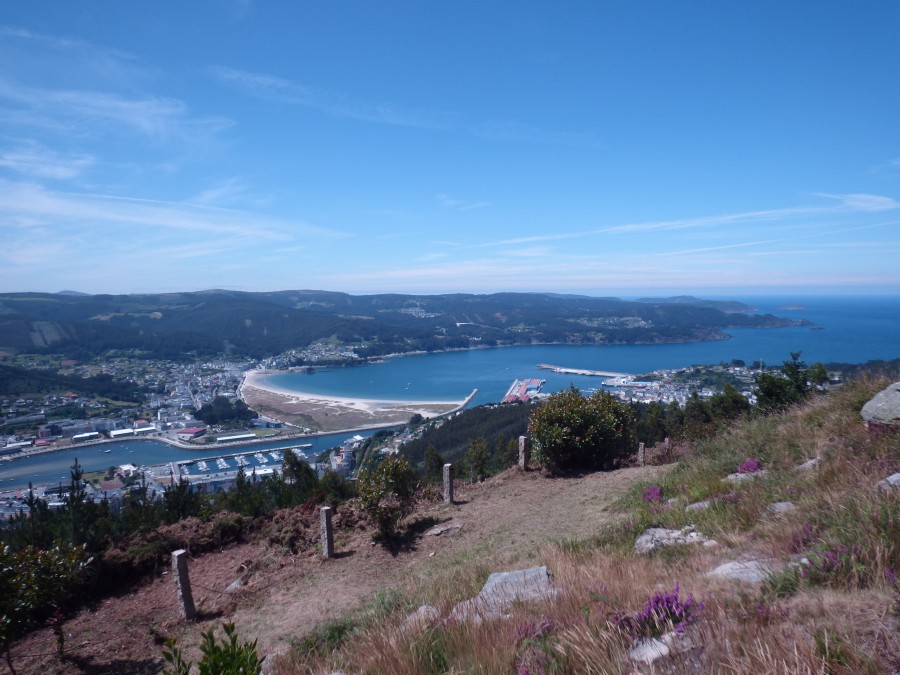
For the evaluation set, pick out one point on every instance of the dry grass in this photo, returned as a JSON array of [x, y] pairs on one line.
[[837, 615]]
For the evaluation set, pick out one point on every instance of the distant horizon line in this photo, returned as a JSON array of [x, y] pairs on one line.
[[629, 294]]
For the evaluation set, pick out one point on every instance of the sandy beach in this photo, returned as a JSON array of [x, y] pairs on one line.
[[333, 413]]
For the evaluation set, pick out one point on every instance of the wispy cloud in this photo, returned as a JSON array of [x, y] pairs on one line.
[[232, 191], [447, 202], [93, 111], [30, 204], [863, 202], [33, 159], [340, 104]]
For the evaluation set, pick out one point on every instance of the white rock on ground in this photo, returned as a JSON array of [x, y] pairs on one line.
[[502, 590], [656, 537], [780, 508], [422, 618], [740, 477], [884, 407], [648, 650], [890, 483], [750, 571], [698, 506], [809, 464]]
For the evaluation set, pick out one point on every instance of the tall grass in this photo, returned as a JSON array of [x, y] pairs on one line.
[[829, 608]]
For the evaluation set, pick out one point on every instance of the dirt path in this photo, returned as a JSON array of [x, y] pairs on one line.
[[505, 520]]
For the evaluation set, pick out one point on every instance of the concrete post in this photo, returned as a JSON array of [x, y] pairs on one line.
[[524, 453], [448, 483], [327, 532], [183, 584], [641, 454]]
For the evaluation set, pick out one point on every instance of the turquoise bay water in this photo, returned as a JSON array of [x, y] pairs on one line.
[[852, 330]]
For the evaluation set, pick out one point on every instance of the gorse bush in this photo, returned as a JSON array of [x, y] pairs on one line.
[[387, 493], [36, 584], [572, 432]]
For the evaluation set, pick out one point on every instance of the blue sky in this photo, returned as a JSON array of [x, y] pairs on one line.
[[607, 148]]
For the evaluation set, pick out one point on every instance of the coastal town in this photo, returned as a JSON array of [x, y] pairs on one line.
[[172, 393]]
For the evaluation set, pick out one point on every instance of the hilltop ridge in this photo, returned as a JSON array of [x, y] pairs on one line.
[[826, 601], [186, 325]]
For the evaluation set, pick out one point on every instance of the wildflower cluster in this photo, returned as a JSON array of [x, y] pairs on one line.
[[833, 566], [653, 494], [801, 539], [662, 613], [749, 465], [535, 653]]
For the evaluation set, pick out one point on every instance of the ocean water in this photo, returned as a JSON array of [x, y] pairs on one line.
[[845, 329]]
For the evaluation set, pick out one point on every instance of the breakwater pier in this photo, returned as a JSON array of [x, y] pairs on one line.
[[581, 371]]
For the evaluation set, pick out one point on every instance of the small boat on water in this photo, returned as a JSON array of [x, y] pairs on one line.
[[110, 450]]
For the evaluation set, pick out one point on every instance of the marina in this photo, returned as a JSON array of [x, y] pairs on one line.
[[521, 391]]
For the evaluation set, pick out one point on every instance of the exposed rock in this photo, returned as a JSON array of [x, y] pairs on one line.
[[422, 618], [750, 571], [740, 477], [235, 586], [268, 664], [780, 508], [698, 506], [884, 407], [648, 650], [660, 536], [502, 590], [809, 464], [445, 528], [890, 483]]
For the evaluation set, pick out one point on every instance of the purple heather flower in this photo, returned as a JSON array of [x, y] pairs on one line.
[[749, 465], [653, 494], [660, 611]]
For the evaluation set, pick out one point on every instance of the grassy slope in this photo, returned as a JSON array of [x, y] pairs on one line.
[[841, 614]]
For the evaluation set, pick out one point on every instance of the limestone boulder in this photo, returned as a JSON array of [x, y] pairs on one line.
[[657, 537], [884, 407], [502, 590]]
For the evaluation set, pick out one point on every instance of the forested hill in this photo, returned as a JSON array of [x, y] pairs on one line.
[[260, 324]]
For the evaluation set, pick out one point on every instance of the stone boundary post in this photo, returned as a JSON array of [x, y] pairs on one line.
[[327, 532], [448, 483], [524, 453], [640, 456], [183, 584]]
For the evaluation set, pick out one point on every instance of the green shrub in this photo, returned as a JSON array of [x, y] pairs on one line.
[[225, 657], [572, 432], [387, 493]]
